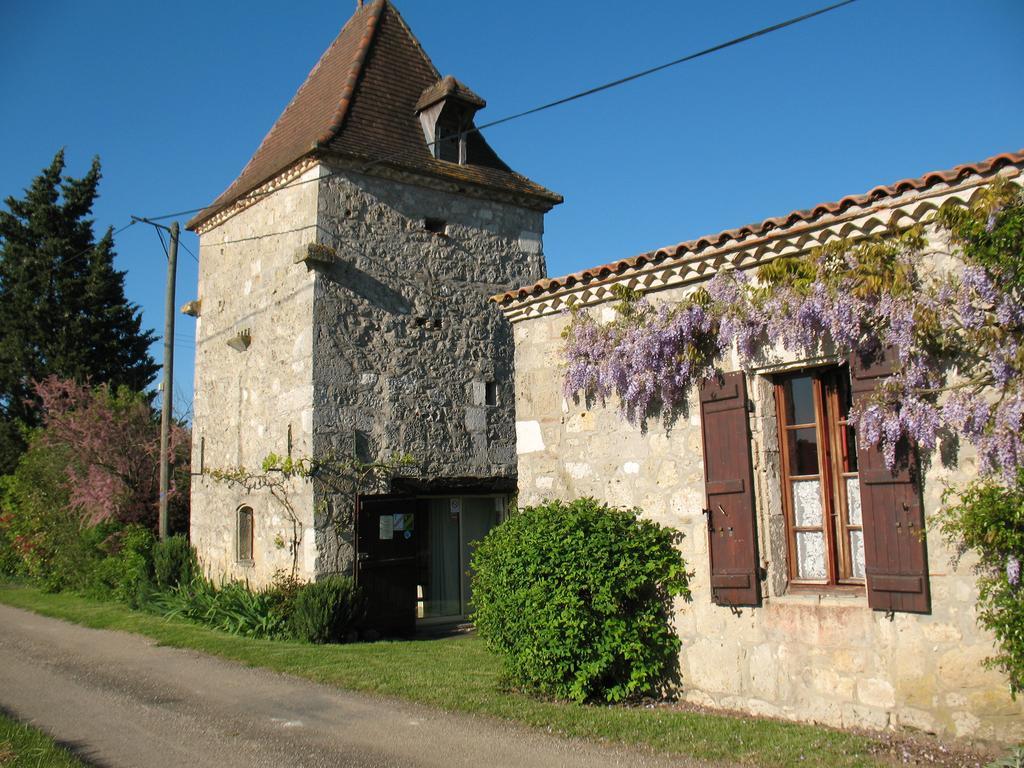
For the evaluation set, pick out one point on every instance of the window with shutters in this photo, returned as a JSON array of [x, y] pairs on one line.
[[821, 488], [244, 535]]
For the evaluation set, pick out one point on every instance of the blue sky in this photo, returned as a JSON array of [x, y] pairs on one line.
[[175, 98]]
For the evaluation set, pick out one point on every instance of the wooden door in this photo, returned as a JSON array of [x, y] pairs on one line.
[[386, 543]]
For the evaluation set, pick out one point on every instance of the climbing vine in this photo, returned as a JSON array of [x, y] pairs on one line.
[[957, 330], [343, 477]]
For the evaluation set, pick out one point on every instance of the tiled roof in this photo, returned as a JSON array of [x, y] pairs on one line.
[[807, 215], [359, 102], [448, 86]]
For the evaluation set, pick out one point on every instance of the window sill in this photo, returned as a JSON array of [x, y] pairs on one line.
[[832, 597], [245, 563]]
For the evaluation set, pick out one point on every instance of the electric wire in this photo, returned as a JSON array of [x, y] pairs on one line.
[[550, 105], [188, 250], [681, 60], [162, 243]]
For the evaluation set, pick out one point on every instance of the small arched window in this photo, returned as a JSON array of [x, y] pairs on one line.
[[244, 534]]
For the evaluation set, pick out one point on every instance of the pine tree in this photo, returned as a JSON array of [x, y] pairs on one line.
[[62, 305]]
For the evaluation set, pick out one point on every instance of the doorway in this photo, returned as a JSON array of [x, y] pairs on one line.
[[413, 556], [454, 525]]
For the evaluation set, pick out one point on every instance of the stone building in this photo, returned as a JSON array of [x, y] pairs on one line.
[[343, 312], [780, 624]]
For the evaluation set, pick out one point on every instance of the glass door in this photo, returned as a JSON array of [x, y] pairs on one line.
[[446, 543]]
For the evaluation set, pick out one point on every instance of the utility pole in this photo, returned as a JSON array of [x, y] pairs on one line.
[[168, 386]]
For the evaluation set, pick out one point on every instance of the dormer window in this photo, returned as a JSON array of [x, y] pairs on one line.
[[446, 111]]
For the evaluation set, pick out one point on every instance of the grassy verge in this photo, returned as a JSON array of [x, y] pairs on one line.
[[25, 747], [458, 674]]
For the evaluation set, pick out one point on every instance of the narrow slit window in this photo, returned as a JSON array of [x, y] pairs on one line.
[[490, 393], [245, 534]]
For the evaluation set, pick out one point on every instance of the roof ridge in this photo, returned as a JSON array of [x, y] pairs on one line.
[[773, 224], [349, 88]]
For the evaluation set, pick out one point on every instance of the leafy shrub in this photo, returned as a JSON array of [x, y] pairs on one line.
[[44, 536], [126, 573], [174, 562], [1013, 760], [576, 599], [232, 608], [987, 518], [282, 592], [10, 561], [326, 611]]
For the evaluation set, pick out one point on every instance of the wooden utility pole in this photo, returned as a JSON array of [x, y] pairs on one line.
[[168, 386]]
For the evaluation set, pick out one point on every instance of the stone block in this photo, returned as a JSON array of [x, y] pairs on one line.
[[876, 693], [962, 668], [834, 685], [918, 719], [965, 724], [858, 716], [578, 470], [764, 672]]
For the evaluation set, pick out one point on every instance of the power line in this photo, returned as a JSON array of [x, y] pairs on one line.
[[176, 213], [549, 105], [189, 251], [162, 243], [682, 60], [90, 249], [267, 234]]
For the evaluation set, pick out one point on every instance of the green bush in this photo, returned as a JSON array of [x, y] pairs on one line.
[[326, 611], [126, 573], [987, 518], [281, 594], [576, 599], [174, 562], [45, 539], [232, 608]]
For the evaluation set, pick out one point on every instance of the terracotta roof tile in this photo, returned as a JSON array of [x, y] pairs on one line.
[[359, 102], [689, 247]]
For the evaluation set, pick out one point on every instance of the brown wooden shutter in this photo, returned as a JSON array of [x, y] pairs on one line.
[[895, 553], [728, 484]]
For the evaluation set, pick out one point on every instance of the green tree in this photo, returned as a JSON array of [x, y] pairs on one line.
[[62, 305]]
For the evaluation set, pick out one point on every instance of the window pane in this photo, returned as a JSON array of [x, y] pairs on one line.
[[799, 397], [849, 439], [842, 378], [810, 554], [441, 593], [807, 503], [803, 451], [857, 553], [854, 515], [245, 533]]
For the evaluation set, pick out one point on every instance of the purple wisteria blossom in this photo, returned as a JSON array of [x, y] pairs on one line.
[[958, 341]]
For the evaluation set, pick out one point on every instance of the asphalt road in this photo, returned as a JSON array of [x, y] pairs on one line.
[[120, 700]]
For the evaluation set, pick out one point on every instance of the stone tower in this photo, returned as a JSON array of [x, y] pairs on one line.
[[343, 313]]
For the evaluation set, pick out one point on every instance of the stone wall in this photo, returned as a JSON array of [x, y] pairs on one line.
[[248, 402], [405, 340], [825, 657]]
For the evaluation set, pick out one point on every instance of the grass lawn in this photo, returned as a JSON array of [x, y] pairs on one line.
[[25, 747], [458, 674]]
